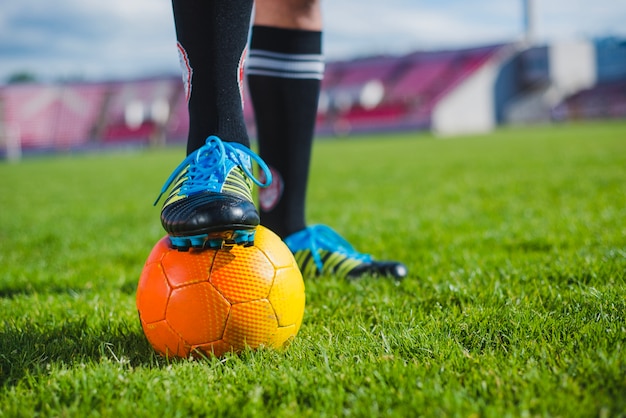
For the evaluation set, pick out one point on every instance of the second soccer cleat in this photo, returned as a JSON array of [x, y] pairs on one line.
[[210, 204], [319, 250]]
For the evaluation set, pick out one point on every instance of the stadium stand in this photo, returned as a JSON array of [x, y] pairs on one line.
[[51, 116], [611, 59], [575, 80], [606, 100], [420, 90], [137, 111], [411, 85]]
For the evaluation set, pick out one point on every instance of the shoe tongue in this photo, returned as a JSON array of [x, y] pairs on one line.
[[326, 238]]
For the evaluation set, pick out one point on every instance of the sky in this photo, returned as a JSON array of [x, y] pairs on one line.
[[114, 39]]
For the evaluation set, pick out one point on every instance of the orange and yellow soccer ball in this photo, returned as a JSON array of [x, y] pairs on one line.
[[217, 301]]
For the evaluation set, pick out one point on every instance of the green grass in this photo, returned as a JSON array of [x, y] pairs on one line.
[[515, 304]]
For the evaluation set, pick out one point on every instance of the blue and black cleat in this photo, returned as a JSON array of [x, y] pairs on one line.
[[319, 250], [210, 203]]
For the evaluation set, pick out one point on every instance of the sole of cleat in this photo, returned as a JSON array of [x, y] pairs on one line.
[[215, 241]]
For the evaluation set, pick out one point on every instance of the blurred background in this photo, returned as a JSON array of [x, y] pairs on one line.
[[75, 75]]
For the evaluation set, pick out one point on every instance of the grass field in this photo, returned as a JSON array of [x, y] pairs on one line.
[[515, 304]]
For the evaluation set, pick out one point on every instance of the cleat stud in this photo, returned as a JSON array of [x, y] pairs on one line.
[[214, 244], [197, 242], [181, 244], [216, 241]]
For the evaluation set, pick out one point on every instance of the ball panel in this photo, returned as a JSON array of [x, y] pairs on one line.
[[273, 247], [164, 340], [283, 336], [159, 249], [198, 312], [153, 293], [183, 268], [242, 274], [251, 324], [287, 296]]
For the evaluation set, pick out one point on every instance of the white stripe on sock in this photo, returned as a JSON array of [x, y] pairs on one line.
[[285, 65]]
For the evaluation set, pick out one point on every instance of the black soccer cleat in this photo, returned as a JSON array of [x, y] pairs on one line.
[[210, 204]]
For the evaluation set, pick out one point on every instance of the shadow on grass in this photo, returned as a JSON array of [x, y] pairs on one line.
[[31, 349]]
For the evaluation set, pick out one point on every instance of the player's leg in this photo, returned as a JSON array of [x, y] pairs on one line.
[[211, 198], [285, 68], [212, 37]]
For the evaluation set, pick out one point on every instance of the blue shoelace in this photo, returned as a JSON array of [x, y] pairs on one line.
[[322, 237], [208, 164]]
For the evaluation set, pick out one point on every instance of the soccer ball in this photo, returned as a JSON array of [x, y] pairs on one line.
[[211, 302]]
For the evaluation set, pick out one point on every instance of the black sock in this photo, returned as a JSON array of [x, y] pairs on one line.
[[212, 37], [285, 68]]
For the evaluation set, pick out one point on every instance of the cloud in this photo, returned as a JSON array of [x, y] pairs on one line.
[[78, 38], [407, 24], [562, 19]]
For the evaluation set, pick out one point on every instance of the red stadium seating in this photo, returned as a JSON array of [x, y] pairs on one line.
[[52, 116], [74, 115], [605, 100], [144, 94]]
